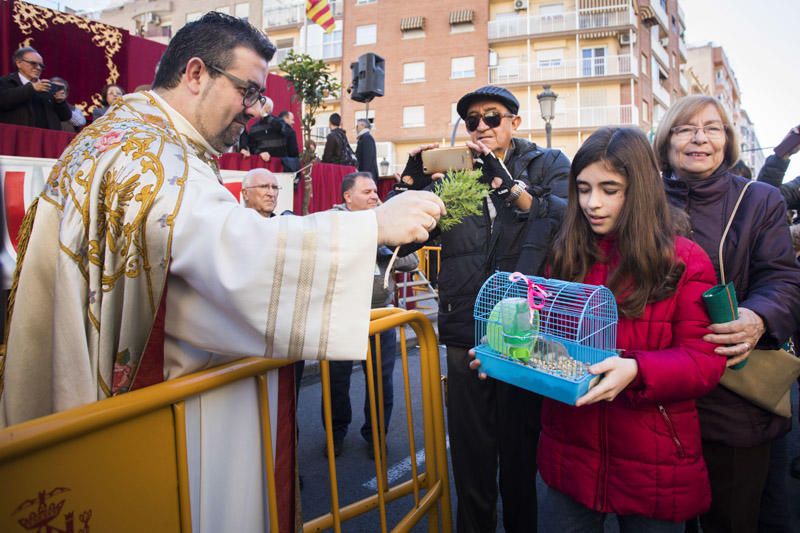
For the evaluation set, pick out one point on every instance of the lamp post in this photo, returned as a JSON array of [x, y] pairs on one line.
[[547, 105], [384, 164]]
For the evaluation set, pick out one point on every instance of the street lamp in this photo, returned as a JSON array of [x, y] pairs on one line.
[[547, 104], [384, 167]]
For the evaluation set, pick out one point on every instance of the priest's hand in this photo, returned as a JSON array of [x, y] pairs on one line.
[[408, 217]]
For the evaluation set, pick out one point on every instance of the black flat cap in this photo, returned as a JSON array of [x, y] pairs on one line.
[[489, 92]]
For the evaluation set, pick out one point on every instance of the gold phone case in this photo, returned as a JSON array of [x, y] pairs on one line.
[[444, 159]]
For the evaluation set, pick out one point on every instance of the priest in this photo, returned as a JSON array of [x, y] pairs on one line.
[[137, 265]]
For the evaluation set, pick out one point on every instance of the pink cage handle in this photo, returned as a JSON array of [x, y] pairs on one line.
[[537, 296]]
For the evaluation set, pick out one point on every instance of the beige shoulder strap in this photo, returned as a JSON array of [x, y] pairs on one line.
[[725, 233]]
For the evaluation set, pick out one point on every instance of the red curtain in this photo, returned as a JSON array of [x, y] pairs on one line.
[[32, 142], [326, 187]]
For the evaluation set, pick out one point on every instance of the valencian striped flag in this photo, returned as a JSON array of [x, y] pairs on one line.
[[319, 12]]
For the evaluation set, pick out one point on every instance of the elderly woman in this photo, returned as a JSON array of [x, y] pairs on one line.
[[696, 146], [110, 94]]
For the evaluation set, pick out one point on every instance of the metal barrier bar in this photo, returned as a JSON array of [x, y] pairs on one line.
[[269, 463], [179, 414], [435, 503], [325, 373]]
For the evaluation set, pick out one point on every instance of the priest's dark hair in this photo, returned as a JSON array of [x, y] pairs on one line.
[[212, 38]]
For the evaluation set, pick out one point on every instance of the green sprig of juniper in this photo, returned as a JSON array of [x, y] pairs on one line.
[[462, 195]]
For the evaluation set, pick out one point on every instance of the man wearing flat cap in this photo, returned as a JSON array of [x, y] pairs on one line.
[[493, 424]]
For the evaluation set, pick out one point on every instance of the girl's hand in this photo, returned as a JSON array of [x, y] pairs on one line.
[[738, 337], [619, 372], [475, 365]]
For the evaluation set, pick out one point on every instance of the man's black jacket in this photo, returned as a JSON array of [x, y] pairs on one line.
[[22, 105]]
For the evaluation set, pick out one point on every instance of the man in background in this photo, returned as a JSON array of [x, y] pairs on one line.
[[260, 191], [360, 193], [28, 100], [337, 147], [365, 149], [265, 138]]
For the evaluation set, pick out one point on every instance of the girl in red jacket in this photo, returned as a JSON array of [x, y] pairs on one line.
[[631, 445]]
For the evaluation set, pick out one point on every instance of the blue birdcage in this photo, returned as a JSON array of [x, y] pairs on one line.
[[543, 334]]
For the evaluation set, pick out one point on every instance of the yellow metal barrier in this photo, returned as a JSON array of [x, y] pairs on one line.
[[122, 464], [429, 256], [431, 489]]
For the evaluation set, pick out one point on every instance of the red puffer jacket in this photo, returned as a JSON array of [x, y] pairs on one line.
[[641, 453]]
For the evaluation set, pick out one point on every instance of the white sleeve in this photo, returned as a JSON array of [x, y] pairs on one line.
[[286, 287]]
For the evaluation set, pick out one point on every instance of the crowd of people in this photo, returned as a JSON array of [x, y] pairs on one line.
[[658, 441]]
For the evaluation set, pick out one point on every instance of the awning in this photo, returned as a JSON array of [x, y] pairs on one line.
[[461, 16], [412, 23]]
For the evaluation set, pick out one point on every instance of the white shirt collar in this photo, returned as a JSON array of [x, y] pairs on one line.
[[182, 125], [23, 79]]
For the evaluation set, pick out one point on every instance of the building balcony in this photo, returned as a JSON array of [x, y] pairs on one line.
[[661, 93], [584, 117], [294, 15], [320, 133], [684, 83], [653, 12], [683, 49], [581, 21], [159, 7], [326, 51], [598, 67], [660, 53], [280, 55]]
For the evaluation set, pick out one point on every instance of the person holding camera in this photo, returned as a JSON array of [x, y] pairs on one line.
[[28, 100], [775, 167], [492, 424]]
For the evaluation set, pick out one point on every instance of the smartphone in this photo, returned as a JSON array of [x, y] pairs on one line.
[[55, 87], [444, 159], [789, 143]]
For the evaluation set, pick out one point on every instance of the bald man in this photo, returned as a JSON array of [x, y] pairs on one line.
[[260, 191]]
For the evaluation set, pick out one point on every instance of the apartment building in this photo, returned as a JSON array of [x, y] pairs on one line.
[[711, 67], [609, 61], [160, 19]]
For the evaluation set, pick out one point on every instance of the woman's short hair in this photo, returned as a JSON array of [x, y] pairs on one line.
[[105, 89], [681, 112]]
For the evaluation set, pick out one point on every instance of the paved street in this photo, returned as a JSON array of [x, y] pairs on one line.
[[356, 471]]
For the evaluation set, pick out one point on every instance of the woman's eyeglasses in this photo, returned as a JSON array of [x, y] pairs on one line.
[[491, 119], [686, 132]]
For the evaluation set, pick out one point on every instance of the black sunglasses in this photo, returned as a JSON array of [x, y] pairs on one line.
[[491, 119]]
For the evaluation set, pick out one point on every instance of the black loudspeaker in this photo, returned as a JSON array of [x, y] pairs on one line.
[[368, 77]]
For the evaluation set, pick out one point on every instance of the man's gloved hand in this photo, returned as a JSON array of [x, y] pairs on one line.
[[493, 168], [413, 178]]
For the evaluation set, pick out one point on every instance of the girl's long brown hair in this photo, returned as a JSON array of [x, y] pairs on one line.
[[648, 270]]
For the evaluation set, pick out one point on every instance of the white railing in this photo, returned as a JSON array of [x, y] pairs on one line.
[[280, 55], [661, 15], [521, 25], [320, 133], [661, 93], [568, 69], [326, 50], [684, 82], [585, 117], [659, 53], [294, 14], [683, 49]]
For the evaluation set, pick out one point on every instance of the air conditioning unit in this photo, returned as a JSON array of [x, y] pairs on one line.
[[520, 5], [627, 39]]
